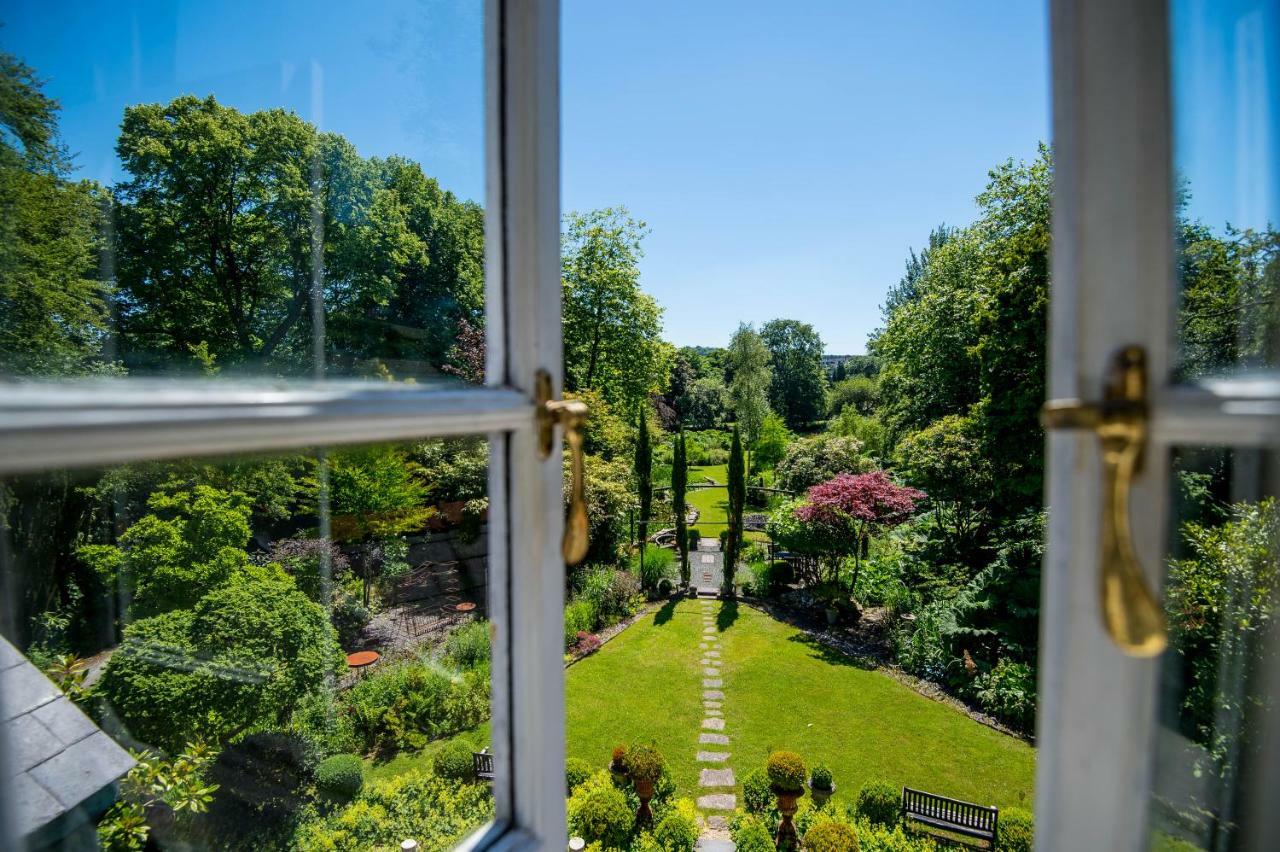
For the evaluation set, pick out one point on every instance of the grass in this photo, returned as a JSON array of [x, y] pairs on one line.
[[407, 761], [784, 691], [712, 503]]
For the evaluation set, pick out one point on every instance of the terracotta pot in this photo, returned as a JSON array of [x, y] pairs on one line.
[[788, 803], [644, 789]]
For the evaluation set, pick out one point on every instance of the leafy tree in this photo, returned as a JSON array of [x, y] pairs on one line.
[[946, 461], [837, 375], [861, 365], [772, 443], [845, 512], [707, 403], [737, 502], [644, 475], [859, 392], [679, 507], [747, 363], [685, 370], [611, 328], [241, 658], [192, 542], [798, 388], [819, 458], [53, 303], [907, 289], [867, 430]]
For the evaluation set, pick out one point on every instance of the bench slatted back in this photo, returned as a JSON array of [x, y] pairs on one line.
[[482, 764], [961, 814]]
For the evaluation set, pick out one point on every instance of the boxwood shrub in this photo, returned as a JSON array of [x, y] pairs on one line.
[[340, 776], [756, 795], [880, 803], [598, 813], [1016, 830], [576, 772], [453, 761], [786, 771], [829, 836]]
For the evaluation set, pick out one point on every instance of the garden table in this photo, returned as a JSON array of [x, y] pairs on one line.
[[361, 660], [464, 607]]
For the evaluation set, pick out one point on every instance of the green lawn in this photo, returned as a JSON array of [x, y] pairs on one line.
[[783, 691], [712, 503]]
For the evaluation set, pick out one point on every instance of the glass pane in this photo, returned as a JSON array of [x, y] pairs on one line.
[[284, 652], [1226, 99], [1220, 599], [242, 190]]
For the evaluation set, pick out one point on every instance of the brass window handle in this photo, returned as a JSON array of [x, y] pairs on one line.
[[1131, 614], [571, 414]]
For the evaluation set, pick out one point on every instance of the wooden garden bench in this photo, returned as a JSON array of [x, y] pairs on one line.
[[950, 814], [482, 765]]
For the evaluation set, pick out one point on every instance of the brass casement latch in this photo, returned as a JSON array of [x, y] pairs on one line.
[[571, 414], [1130, 612]]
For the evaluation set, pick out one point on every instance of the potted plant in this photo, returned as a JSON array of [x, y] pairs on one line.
[[786, 778], [821, 785], [644, 763], [618, 765]]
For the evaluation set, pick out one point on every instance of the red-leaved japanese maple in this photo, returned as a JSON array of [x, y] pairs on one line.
[[844, 512]]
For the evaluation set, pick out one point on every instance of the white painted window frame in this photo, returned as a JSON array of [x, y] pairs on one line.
[[44, 426], [1113, 284]]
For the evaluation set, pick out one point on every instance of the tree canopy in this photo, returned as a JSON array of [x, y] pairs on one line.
[[747, 364], [798, 386]]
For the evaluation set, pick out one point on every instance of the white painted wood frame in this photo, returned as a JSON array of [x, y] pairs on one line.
[[1113, 284]]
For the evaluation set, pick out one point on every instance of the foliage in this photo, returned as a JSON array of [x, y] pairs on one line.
[[860, 393], [679, 506], [576, 773], [611, 327], [340, 776], [178, 787], [677, 831], [866, 430], [659, 565], [830, 836], [820, 778], [375, 492], [707, 403], [747, 365], [467, 647], [798, 387], [453, 761], [818, 458], [454, 468], [643, 474], [737, 493], [610, 500], [1221, 603], [405, 705], [644, 763], [190, 543], [946, 461], [756, 796], [1016, 831], [244, 656], [585, 643], [1008, 692], [880, 803], [598, 812], [313, 563], [771, 445], [387, 811], [68, 673], [467, 356], [750, 834], [786, 771]]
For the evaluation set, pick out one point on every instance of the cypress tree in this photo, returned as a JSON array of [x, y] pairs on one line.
[[679, 482], [644, 479], [737, 500]]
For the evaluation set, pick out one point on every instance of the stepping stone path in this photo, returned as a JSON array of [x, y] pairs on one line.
[[717, 799]]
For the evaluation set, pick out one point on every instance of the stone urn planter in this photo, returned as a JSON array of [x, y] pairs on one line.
[[833, 616], [644, 791], [821, 796], [788, 804]]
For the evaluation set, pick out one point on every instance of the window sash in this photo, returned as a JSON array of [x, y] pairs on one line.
[[59, 425]]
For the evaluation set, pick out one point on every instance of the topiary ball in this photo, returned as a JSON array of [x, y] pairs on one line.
[[576, 772], [786, 771], [756, 795], [1016, 830], [880, 803], [831, 837], [340, 776], [820, 778], [750, 834], [644, 763], [598, 812], [454, 761], [678, 830]]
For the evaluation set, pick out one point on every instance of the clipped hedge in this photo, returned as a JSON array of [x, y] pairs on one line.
[[786, 771], [598, 812], [880, 803], [453, 761], [678, 830], [576, 773], [340, 776], [756, 795], [1015, 830], [831, 837]]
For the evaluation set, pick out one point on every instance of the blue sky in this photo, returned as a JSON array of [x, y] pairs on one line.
[[785, 156]]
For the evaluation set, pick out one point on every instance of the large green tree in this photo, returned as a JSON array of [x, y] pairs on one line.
[[747, 366], [53, 301], [612, 329], [798, 387]]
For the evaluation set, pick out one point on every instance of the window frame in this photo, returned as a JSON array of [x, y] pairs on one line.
[[1114, 284], [52, 425]]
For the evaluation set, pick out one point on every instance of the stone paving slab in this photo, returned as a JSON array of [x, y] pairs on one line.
[[713, 739], [713, 695], [718, 802], [712, 713], [713, 756], [704, 646], [712, 654], [710, 628], [712, 705], [712, 672], [713, 723], [716, 778], [718, 823], [712, 683]]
